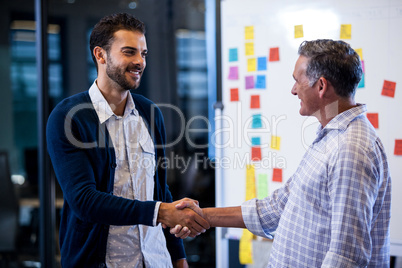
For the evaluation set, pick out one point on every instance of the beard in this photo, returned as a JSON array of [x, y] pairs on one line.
[[118, 75]]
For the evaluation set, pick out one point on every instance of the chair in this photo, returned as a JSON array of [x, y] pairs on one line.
[[9, 211]]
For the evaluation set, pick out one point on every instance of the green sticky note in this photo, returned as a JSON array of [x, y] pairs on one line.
[[262, 186]]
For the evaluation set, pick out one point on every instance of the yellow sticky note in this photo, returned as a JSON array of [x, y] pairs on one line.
[[275, 142], [249, 32], [299, 31], [249, 49], [346, 31], [251, 65], [250, 182], [359, 51], [246, 248]]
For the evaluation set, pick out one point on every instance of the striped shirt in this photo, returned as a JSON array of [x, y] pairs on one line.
[[335, 210]]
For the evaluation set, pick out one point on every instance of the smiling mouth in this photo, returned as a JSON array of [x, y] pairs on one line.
[[135, 73]]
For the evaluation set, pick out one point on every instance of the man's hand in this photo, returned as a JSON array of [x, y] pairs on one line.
[[170, 216], [179, 230]]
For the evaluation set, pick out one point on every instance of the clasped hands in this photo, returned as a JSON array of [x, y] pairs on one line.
[[184, 217]]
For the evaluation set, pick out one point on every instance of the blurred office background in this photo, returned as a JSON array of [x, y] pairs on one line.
[[176, 74]]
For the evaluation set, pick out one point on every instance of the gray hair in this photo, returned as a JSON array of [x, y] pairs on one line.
[[336, 61]]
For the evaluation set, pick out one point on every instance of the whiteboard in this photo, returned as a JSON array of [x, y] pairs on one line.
[[376, 30]]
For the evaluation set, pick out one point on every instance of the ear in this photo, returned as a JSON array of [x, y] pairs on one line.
[[322, 84], [100, 54]]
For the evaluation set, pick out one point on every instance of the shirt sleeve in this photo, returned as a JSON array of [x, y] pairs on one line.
[[261, 217], [156, 211], [353, 187]]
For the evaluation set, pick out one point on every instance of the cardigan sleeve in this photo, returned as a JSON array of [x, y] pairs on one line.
[[82, 167]]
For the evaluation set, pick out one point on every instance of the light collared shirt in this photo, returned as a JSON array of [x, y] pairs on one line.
[[136, 245], [335, 210]]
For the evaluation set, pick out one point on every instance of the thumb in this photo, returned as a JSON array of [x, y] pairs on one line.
[[184, 204]]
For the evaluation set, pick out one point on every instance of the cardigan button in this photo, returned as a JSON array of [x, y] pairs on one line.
[[113, 165], [102, 265]]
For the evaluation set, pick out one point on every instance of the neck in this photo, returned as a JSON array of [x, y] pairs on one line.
[[332, 109], [116, 98]]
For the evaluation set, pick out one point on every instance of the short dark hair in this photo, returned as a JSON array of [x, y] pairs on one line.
[[336, 61], [102, 34]]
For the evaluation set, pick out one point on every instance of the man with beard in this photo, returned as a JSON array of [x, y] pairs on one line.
[[104, 144]]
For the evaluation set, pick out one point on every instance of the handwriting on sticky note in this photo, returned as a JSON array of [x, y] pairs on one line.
[[256, 153], [255, 101], [277, 175], [299, 31], [251, 65], [249, 32], [255, 141], [256, 122], [234, 94], [249, 82], [262, 63], [233, 73], [260, 83], [373, 118], [275, 142], [249, 49], [262, 186], [274, 54], [398, 147], [233, 54], [388, 88], [346, 31]]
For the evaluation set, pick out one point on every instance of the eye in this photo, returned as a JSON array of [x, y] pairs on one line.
[[144, 54]]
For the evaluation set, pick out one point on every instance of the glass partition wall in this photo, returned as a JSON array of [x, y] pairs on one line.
[[175, 75]]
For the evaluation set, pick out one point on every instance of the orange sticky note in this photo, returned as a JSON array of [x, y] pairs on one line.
[[388, 89], [255, 102], [277, 175], [373, 118], [274, 54], [398, 147], [234, 94], [256, 153]]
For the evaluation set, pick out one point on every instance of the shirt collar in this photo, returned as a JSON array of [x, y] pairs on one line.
[[102, 107]]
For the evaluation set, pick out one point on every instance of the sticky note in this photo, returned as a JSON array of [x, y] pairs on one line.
[[262, 63], [359, 52], [255, 101], [251, 65], [277, 175], [249, 82], [233, 73], [373, 118], [299, 31], [233, 54], [256, 122], [249, 32], [234, 94], [398, 147], [274, 54], [262, 186], [362, 82], [388, 89], [255, 141], [346, 31], [249, 49], [256, 153], [260, 83], [275, 142], [250, 182], [246, 248]]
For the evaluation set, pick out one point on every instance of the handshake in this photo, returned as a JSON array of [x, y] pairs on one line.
[[185, 218]]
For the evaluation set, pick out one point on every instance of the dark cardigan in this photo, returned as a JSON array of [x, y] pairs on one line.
[[84, 161]]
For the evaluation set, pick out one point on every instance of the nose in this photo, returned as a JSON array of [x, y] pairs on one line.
[[293, 91]]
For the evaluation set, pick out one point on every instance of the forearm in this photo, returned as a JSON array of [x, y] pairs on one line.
[[224, 217]]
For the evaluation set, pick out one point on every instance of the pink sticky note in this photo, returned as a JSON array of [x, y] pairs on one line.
[[233, 73], [249, 82]]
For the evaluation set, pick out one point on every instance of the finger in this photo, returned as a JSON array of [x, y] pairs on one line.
[[182, 204], [184, 233], [176, 230], [164, 226]]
